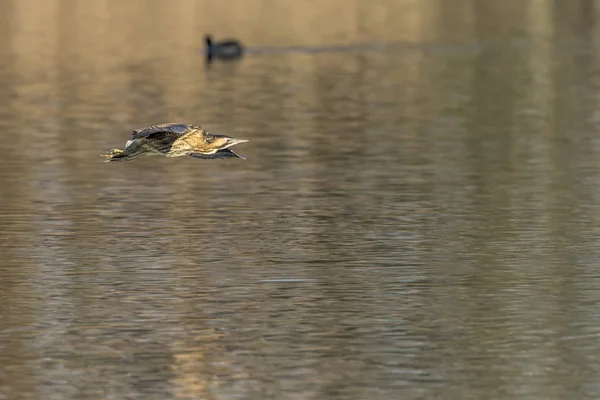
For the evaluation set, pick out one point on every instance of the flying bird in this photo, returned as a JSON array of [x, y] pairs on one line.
[[176, 140]]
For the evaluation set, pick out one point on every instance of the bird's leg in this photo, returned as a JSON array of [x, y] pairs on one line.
[[114, 155], [131, 151]]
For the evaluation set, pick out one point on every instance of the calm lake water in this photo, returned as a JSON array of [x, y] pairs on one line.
[[418, 216]]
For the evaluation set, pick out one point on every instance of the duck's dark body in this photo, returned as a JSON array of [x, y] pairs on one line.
[[228, 49]]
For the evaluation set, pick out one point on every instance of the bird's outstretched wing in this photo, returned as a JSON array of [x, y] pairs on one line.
[[225, 153], [169, 129]]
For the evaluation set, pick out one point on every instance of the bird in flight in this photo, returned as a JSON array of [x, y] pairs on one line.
[[176, 140]]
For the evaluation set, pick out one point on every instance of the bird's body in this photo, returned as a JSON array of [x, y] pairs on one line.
[[225, 49], [176, 140]]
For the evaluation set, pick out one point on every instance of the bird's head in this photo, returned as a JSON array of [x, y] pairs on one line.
[[221, 141]]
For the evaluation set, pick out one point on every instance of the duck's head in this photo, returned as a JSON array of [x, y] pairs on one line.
[[208, 40]]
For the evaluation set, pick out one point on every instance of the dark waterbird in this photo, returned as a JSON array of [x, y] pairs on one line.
[[176, 140], [227, 49]]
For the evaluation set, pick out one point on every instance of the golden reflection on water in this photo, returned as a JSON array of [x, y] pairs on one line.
[[412, 221]]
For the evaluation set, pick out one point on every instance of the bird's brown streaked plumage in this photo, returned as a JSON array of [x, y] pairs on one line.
[[176, 140]]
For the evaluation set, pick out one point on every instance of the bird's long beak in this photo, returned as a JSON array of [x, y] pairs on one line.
[[233, 141]]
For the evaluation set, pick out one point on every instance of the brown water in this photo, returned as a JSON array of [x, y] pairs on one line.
[[418, 216]]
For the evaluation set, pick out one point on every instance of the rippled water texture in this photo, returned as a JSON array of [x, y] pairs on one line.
[[418, 216]]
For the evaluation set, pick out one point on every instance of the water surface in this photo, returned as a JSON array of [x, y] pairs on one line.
[[417, 217]]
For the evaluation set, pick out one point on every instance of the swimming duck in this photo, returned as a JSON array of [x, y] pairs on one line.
[[176, 140], [226, 49]]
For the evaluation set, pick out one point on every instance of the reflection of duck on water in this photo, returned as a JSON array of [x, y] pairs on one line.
[[228, 49], [176, 140]]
